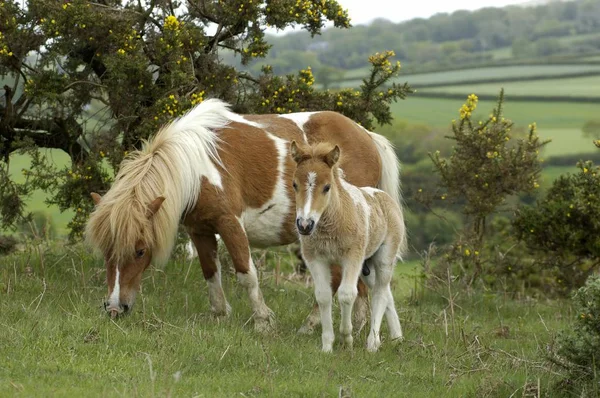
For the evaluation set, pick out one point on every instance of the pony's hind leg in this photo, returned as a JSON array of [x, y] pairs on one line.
[[233, 235], [206, 246]]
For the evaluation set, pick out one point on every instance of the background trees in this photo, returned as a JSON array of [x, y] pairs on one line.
[[95, 78]]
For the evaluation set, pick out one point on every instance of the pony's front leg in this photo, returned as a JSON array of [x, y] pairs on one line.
[[322, 280], [347, 293], [206, 246], [234, 236]]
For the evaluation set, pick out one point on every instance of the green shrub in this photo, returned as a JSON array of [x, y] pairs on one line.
[[563, 228], [578, 348]]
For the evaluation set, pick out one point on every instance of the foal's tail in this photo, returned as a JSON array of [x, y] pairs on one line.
[[390, 180]]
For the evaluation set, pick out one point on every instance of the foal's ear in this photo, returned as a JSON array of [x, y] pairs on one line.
[[332, 157], [296, 152], [96, 198], [155, 205]]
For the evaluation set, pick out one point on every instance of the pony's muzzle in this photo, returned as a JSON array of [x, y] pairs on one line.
[[305, 227], [115, 311]]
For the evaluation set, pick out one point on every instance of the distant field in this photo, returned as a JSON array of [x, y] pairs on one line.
[[588, 86], [439, 112], [507, 72]]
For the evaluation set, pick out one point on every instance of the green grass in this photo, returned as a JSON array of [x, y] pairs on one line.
[[56, 340], [588, 86], [548, 115], [497, 72]]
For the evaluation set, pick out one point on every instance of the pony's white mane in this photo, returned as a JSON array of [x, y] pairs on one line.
[[172, 165]]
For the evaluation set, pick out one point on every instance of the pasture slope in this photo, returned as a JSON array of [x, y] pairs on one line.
[[56, 340]]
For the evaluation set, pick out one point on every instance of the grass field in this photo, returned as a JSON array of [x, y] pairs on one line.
[[572, 87], [56, 340], [548, 115], [498, 72]]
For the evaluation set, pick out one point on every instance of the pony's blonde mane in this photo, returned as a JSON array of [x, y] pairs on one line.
[[171, 165]]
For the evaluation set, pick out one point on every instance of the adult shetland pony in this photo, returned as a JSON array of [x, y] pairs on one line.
[[219, 172]]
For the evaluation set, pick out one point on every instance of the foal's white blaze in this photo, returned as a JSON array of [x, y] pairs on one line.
[[264, 225], [113, 300], [300, 118], [306, 213]]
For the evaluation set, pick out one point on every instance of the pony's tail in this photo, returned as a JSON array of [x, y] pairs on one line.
[[390, 180]]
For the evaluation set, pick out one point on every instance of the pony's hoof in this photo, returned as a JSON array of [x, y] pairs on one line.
[[221, 312], [306, 329], [327, 348], [265, 325], [361, 314]]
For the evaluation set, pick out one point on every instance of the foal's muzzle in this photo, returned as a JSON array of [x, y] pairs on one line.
[[305, 227]]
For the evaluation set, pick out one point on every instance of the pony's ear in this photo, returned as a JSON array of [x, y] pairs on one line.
[[155, 205], [296, 152], [96, 198], [333, 156]]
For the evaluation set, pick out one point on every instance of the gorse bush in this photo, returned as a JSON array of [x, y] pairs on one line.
[[97, 78], [578, 348], [487, 165], [563, 228]]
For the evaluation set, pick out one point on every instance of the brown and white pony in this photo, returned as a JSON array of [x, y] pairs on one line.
[[218, 172], [340, 223]]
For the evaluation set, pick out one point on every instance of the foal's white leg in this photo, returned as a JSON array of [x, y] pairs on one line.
[[381, 296], [322, 279], [392, 317], [347, 293]]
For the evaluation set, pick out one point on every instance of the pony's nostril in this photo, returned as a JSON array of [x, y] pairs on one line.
[[299, 224], [311, 225], [105, 305]]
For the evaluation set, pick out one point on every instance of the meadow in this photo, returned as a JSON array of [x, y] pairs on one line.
[[58, 341], [480, 74], [569, 87]]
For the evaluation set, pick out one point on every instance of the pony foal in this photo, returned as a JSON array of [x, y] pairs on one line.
[[340, 223]]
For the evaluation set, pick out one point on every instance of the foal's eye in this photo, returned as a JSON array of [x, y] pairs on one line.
[[326, 188], [295, 186], [140, 253]]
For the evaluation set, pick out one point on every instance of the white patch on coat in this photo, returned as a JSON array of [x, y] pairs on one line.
[[113, 300], [264, 225], [300, 118], [240, 119]]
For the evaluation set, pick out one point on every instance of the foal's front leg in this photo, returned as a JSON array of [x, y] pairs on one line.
[[321, 275], [234, 236], [347, 293]]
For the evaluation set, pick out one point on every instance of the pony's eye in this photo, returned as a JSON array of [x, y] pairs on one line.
[[326, 188], [295, 186], [140, 253]]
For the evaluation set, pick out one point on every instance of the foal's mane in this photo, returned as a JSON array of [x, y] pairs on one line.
[[171, 164]]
